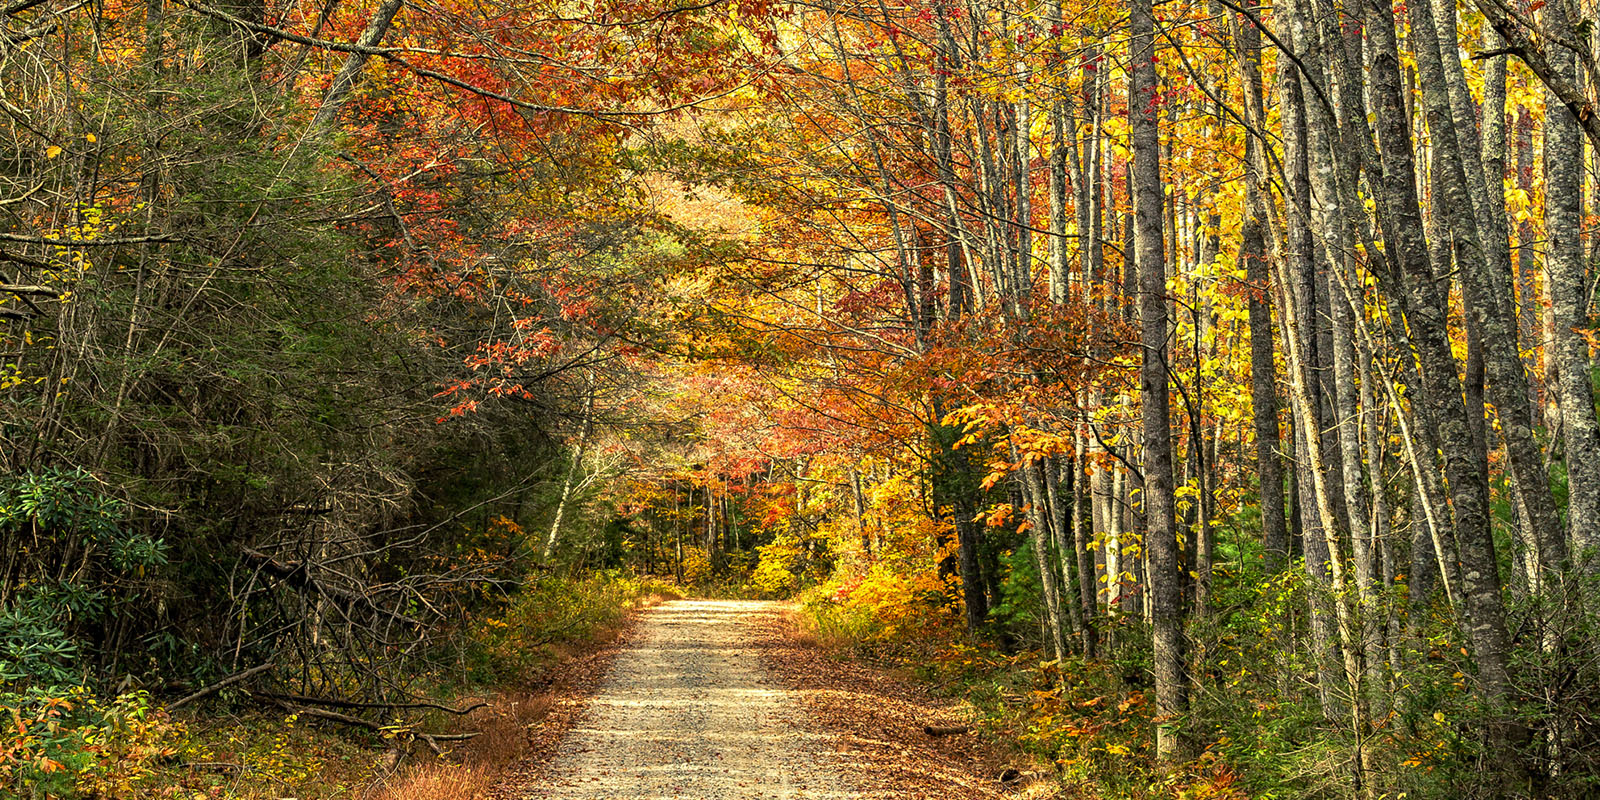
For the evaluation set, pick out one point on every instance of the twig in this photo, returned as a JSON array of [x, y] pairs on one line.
[[432, 740], [114, 242], [23, 260], [298, 574], [1501, 51]]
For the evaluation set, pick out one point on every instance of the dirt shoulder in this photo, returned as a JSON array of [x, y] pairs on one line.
[[878, 719], [540, 718]]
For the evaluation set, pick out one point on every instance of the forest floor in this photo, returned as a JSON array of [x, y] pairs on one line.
[[722, 700]]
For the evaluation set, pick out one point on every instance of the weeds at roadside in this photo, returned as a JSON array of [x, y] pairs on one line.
[[70, 744]]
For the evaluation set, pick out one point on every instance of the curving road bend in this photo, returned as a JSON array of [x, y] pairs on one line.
[[689, 713]]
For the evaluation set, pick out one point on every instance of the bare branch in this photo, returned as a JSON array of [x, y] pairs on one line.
[[237, 677], [34, 290], [112, 242]]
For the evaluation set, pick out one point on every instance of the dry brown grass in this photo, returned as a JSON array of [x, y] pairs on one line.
[[471, 770], [440, 782], [516, 732]]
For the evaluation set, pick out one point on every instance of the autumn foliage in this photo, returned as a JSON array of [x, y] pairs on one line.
[[324, 326]]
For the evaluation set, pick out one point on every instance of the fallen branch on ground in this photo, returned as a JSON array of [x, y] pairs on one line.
[[222, 684], [432, 740], [334, 703]]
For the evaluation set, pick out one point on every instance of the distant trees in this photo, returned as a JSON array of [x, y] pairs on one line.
[[1293, 224], [300, 304]]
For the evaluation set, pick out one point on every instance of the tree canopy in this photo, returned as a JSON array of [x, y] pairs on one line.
[[1233, 361]]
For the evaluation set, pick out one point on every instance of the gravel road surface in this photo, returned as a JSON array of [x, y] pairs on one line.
[[688, 712]]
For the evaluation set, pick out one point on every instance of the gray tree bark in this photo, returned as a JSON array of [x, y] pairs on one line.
[[1082, 541], [345, 80], [1163, 582], [1253, 252], [1506, 384], [1426, 312], [1563, 192]]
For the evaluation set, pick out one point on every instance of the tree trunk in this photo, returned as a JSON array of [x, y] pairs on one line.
[[1506, 383], [343, 82], [1297, 303], [1162, 582], [1563, 193], [1059, 489], [1083, 545], [572, 475], [1253, 252], [1442, 390], [1039, 523]]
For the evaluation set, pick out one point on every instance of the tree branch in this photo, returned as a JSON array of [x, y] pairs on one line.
[[393, 54], [328, 701], [220, 685], [34, 290], [1520, 40], [55, 242]]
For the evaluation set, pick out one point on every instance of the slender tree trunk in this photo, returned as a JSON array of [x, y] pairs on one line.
[[1529, 285], [1485, 295], [1083, 545], [953, 497], [1161, 540], [345, 80], [572, 475], [1113, 541], [1426, 315], [1033, 492], [1253, 252], [1059, 490], [1348, 413], [1297, 302], [1563, 192]]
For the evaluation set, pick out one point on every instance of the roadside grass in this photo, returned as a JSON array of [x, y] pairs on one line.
[[1085, 724], [70, 744], [1258, 727], [474, 768]]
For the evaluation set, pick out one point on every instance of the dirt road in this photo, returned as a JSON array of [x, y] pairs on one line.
[[689, 712]]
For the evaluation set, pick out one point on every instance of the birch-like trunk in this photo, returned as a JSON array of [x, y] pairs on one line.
[[1563, 193], [1442, 390], [345, 80], [1161, 542], [572, 475]]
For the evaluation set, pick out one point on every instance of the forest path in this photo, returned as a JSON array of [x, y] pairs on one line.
[[689, 712]]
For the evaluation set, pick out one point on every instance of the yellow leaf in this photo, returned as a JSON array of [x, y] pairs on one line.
[[90, 137], [52, 151]]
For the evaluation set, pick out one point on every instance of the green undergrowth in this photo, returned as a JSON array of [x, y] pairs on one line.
[[552, 614], [1257, 729], [1081, 719], [76, 741]]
